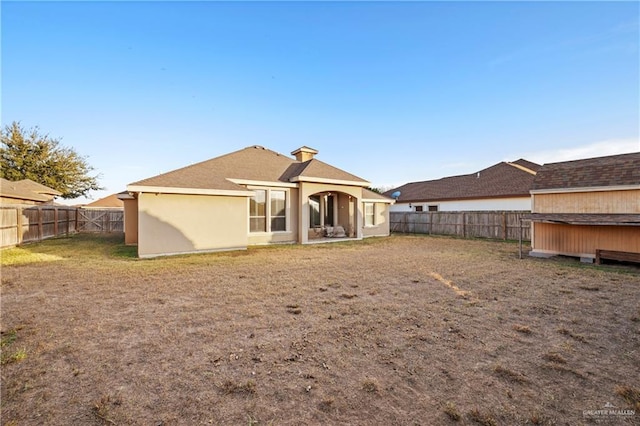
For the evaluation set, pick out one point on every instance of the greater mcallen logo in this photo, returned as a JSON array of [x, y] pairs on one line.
[[609, 410]]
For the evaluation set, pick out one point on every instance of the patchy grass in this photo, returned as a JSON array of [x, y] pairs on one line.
[[509, 375], [370, 386], [481, 418], [578, 337], [524, 329], [9, 355], [452, 412], [86, 248], [554, 357], [231, 387], [22, 256], [383, 329], [630, 394]]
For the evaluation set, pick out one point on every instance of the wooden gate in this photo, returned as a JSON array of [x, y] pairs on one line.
[[100, 220]]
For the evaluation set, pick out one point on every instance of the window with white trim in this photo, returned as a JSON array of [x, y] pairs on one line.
[[258, 211], [278, 212], [268, 210], [369, 214]]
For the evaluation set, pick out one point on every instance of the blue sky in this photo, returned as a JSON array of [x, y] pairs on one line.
[[392, 92]]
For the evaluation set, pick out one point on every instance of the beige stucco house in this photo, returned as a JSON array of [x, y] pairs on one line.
[[250, 197]]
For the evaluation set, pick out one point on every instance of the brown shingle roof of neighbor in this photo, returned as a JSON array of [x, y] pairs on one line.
[[29, 185], [254, 163], [613, 170], [27, 189], [111, 201], [527, 164], [500, 180]]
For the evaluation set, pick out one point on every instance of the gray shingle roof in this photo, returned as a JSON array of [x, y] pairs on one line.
[[498, 181], [372, 195], [254, 163], [613, 170]]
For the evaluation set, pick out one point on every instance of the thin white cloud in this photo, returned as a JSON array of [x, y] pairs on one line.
[[591, 150]]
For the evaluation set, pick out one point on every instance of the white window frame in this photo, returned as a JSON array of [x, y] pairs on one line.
[[287, 210], [372, 214], [271, 216], [266, 212]]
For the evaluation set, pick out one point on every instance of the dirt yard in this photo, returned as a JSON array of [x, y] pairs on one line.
[[406, 330]]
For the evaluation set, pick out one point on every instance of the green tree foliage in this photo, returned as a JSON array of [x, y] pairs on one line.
[[26, 154]]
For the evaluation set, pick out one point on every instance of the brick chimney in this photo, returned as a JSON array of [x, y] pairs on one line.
[[304, 153]]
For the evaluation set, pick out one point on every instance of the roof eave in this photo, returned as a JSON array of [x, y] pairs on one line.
[[585, 189], [488, 197], [262, 183], [378, 200], [330, 181], [189, 191]]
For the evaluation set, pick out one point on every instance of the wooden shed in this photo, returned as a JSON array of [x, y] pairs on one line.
[[587, 208]]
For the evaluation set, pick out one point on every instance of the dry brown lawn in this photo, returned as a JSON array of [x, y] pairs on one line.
[[402, 330]]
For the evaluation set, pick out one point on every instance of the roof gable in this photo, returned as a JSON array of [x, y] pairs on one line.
[[614, 170], [254, 163], [527, 164], [368, 194], [500, 180], [316, 169]]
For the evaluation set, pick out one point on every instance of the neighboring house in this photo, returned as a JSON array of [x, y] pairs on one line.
[[503, 186], [26, 191], [249, 197], [109, 202], [587, 205]]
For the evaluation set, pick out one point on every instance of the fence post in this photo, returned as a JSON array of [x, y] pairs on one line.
[[40, 225], [464, 227], [55, 221], [504, 225], [68, 222], [108, 222], [19, 230], [520, 235]]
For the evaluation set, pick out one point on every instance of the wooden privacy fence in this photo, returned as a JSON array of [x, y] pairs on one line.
[[505, 225], [22, 224]]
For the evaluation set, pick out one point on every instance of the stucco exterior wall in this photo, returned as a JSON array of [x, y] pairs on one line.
[[496, 204], [346, 218], [130, 222], [176, 223], [381, 222]]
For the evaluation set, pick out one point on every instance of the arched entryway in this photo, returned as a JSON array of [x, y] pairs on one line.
[[332, 215]]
